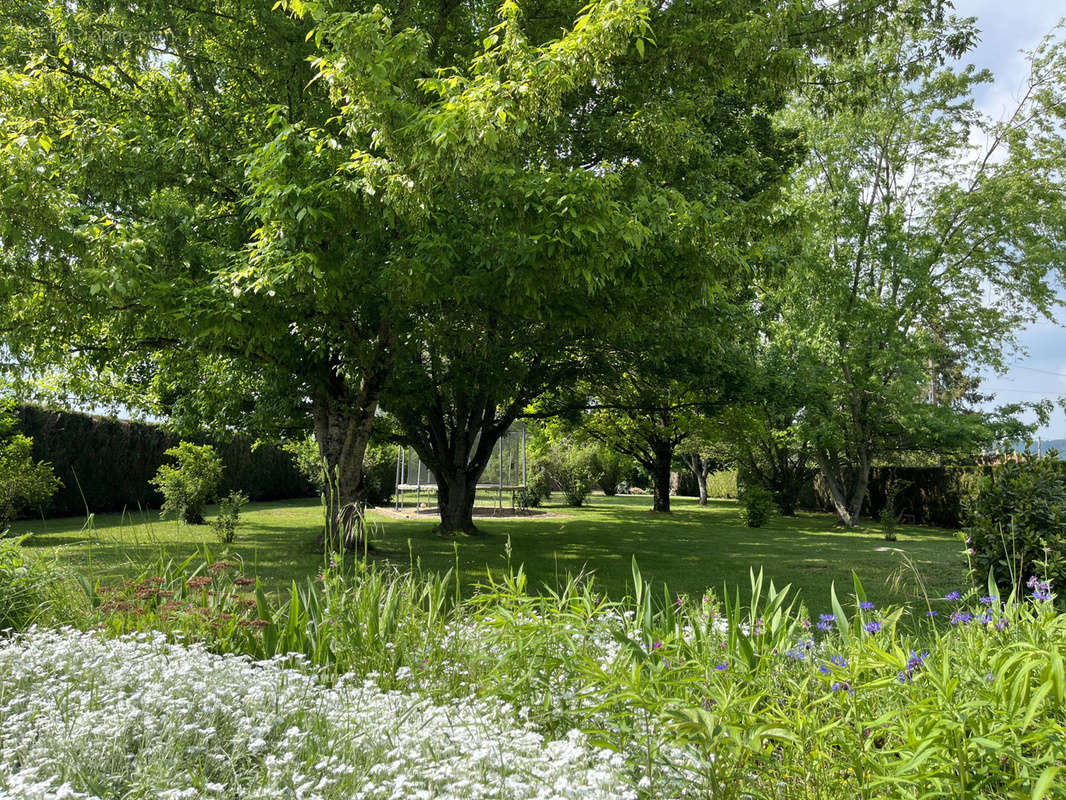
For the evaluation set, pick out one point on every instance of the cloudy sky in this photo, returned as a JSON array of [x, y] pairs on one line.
[[1008, 26]]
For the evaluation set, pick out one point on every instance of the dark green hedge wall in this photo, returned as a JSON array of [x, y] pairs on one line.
[[105, 464]]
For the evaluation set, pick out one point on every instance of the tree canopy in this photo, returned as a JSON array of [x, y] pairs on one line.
[[921, 246], [246, 213]]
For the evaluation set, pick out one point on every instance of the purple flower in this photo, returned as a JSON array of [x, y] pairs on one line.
[[825, 622], [988, 600], [836, 661], [1002, 625], [656, 645], [960, 618], [986, 618], [1041, 589], [722, 667], [951, 596], [915, 661], [872, 627], [866, 605], [795, 653], [930, 613], [838, 686]]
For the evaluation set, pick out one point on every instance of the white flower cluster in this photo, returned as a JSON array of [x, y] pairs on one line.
[[85, 716]]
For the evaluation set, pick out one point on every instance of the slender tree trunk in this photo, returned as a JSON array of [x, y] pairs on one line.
[[701, 468], [661, 478]]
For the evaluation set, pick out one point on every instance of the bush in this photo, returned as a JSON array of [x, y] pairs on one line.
[[609, 469], [1018, 522], [574, 472], [229, 516], [758, 505], [189, 485], [722, 484], [889, 515], [525, 498], [568, 468], [23, 481], [539, 487]]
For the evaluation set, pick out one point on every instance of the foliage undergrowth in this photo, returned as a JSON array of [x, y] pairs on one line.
[[700, 696], [33, 590]]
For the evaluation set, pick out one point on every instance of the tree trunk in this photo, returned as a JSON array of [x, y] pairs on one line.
[[342, 438], [701, 468], [456, 448], [847, 487], [456, 495], [661, 478], [343, 419]]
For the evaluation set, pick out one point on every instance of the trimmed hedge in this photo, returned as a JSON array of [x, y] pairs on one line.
[[928, 495], [105, 463]]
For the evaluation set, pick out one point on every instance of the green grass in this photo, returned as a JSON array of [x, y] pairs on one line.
[[690, 549]]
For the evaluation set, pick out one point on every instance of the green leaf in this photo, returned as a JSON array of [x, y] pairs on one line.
[[1044, 782]]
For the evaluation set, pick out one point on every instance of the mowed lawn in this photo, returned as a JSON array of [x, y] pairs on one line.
[[689, 550]]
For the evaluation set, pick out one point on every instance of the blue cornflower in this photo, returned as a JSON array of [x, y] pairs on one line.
[[915, 661], [986, 618], [1041, 589], [836, 661], [866, 605], [930, 613], [796, 653], [837, 686], [722, 667], [825, 622], [1002, 625], [960, 618], [872, 627], [988, 600], [951, 596]]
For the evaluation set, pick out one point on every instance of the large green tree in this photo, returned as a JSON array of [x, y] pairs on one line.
[[921, 247], [250, 212], [662, 391], [234, 210]]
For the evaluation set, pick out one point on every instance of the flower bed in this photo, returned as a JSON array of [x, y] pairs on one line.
[[84, 716]]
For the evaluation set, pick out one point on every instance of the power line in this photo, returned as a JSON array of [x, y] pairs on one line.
[[1043, 371], [1022, 391]]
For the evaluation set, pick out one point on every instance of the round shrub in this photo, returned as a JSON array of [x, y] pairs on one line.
[[1018, 522], [758, 506], [191, 483]]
